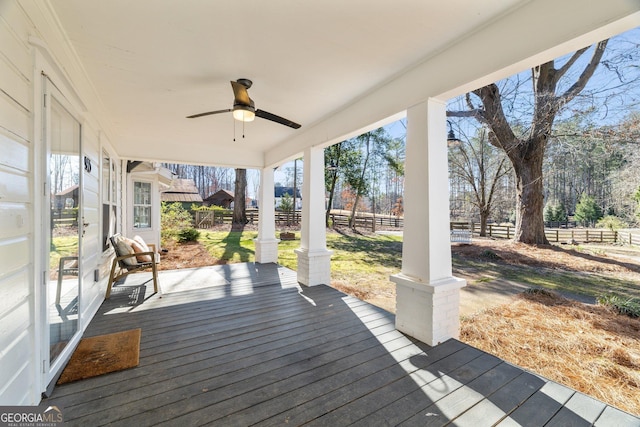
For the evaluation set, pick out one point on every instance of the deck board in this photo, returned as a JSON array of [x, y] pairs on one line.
[[261, 350]]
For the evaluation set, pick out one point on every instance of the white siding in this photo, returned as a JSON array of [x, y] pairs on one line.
[[18, 383], [21, 325]]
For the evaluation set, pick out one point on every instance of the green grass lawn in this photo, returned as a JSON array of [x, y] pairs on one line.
[[360, 265], [352, 255], [364, 263], [60, 247]]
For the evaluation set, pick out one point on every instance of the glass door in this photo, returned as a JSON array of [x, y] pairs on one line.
[[64, 225]]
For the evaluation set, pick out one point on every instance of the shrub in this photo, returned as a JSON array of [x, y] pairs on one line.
[[611, 222], [173, 219], [286, 203], [555, 212], [587, 210], [195, 207], [188, 235], [622, 305]]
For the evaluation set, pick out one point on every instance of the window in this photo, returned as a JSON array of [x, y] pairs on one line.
[[141, 204], [109, 200]]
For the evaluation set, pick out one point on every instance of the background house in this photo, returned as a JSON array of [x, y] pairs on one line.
[[144, 183], [67, 198], [183, 191], [222, 198], [279, 193]]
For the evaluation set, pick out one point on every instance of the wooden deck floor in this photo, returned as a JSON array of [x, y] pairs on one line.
[[253, 348]]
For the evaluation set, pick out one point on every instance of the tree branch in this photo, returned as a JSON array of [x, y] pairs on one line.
[[495, 118], [561, 72], [475, 113], [588, 71]]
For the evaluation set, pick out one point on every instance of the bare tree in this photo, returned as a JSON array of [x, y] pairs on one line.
[[482, 166], [526, 150]]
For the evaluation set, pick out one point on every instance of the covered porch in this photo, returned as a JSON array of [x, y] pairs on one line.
[[133, 94], [248, 345]]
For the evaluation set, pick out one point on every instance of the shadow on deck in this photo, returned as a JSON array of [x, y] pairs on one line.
[[250, 346]]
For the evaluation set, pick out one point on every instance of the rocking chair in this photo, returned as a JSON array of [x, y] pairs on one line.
[[131, 255]]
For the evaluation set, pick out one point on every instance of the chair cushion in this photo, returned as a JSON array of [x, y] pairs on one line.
[[124, 247], [138, 244]]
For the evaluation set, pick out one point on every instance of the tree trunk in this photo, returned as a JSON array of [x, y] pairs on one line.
[[352, 221], [334, 178], [334, 161], [484, 215], [239, 200], [529, 196]]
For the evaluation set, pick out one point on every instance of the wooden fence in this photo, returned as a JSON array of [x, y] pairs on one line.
[[557, 235], [64, 217], [208, 219], [368, 222], [629, 237]]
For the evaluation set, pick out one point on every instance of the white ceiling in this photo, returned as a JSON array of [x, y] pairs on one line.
[[318, 63]]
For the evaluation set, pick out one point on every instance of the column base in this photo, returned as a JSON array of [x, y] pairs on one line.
[[314, 268], [266, 250], [429, 312]]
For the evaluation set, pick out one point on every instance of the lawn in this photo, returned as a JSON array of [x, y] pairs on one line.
[[62, 246], [360, 264]]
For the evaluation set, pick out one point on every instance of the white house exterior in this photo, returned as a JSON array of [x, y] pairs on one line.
[[144, 184], [279, 193], [87, 86]]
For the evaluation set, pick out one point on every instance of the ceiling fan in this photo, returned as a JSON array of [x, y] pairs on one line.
[[244, 108]]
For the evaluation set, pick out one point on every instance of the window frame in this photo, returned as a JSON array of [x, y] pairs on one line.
[[109, 191], [148, 205]]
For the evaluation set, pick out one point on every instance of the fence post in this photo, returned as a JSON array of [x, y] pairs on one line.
[[557, 236], [586, 238], [508, 232]]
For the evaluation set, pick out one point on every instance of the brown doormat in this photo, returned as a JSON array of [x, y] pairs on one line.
[[103, 354]]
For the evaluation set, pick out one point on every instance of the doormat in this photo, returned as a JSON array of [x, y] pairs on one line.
[[103, 354]]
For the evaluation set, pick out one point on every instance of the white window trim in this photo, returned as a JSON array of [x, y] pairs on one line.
[[148, 205]]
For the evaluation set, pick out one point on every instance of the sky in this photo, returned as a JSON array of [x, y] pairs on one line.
[[605, 77]]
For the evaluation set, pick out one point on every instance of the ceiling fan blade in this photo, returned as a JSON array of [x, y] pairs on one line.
[[209, 113], [240, 93], [266, 115]]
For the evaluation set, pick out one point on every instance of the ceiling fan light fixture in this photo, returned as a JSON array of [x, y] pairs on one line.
[[243, 114]]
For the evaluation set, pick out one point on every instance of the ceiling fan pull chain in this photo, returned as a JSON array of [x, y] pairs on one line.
[[234, 130]]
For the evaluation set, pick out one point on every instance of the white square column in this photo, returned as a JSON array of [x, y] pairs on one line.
[[427, 294], [314, 260], [266, 242]]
